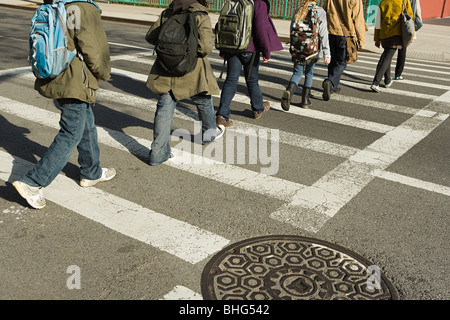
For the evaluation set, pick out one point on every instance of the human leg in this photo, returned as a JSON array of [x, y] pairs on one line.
[[400, 65], [306, 92], [292, 86], [72, 126], [251, 70], [383, 67], [229, 87], [205, 109], [338, 47], [160, 149], [88, 149]]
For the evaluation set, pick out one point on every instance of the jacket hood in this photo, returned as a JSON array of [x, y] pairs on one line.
[[180, 5]]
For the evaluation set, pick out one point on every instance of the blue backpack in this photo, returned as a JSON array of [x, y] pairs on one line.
[[49, 55]]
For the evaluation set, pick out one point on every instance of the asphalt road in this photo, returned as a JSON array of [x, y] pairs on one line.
[[369, 172]]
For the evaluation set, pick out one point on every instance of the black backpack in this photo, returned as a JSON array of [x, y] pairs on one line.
[[177, 42]]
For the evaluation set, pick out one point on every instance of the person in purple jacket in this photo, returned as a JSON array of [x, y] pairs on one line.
[[265, 40]]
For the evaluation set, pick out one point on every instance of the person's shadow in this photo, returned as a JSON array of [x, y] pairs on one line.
[[15, 142]]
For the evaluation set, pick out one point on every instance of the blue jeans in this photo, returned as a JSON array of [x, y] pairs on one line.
[[165, 108], [298, 73], [77, 130], [338, 63], [234, 66]]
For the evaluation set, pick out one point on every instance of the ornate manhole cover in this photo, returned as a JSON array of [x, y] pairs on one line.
[[292, 268]]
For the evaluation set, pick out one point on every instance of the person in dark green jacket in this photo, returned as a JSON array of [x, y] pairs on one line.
[[74, 91], [198, 85]]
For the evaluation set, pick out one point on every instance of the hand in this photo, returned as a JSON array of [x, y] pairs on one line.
[[327, 61], [265, 60], [377, 44]]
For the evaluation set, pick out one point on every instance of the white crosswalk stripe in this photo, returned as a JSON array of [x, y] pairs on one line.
[[306, 206], [185, 241]]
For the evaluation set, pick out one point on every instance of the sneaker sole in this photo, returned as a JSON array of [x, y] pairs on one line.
[[90, 183], [23, 195], [285, 104]]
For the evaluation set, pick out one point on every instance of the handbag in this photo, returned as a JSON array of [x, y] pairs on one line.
[[408, 29], [352, 49]]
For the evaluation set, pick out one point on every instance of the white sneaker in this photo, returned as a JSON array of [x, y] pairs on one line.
[[107, 174], [220, 129], [33, 195], [375, 88], [388, 85]]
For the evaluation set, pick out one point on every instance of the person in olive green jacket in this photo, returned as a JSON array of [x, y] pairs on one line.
[[198, 85], [388, 33], [74, 91]]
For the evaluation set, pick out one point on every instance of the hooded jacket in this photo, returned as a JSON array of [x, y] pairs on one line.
[[347, 12], [79, 81], [199, 80]]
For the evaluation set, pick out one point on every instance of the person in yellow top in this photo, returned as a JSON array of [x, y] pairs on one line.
[[388, 33]]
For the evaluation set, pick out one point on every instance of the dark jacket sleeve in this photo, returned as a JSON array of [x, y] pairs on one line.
[[92, 42]]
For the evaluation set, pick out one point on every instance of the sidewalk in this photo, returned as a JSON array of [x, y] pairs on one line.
[[432, 43]]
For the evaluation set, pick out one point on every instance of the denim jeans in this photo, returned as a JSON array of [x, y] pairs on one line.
[[165, 108], [234, 66], [338, 63], [298, 73], [77, 130]]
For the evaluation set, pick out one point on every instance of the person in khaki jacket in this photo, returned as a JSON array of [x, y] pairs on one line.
[[74, 90], [198, 85], [349, 13]]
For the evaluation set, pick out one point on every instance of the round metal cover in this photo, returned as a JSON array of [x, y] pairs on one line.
[[292, 268]]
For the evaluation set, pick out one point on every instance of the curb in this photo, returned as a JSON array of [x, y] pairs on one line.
[[283, 38]]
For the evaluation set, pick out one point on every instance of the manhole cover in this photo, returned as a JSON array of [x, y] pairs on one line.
[[292, 268]]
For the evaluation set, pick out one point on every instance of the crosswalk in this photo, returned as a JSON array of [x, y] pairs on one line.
[[308, 206]]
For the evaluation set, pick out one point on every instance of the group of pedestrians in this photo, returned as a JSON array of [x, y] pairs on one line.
[[334, 18], [75, 88]]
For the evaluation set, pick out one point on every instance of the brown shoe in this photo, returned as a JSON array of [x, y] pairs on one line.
[[224, 122], [266, 105]]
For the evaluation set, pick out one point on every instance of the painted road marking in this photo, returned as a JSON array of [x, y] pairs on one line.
[[195, 164], [317, 218], [313, 206], [310, 113], [182, 293], [412, 182], [185, 113], [173, 236], [270, 70]]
